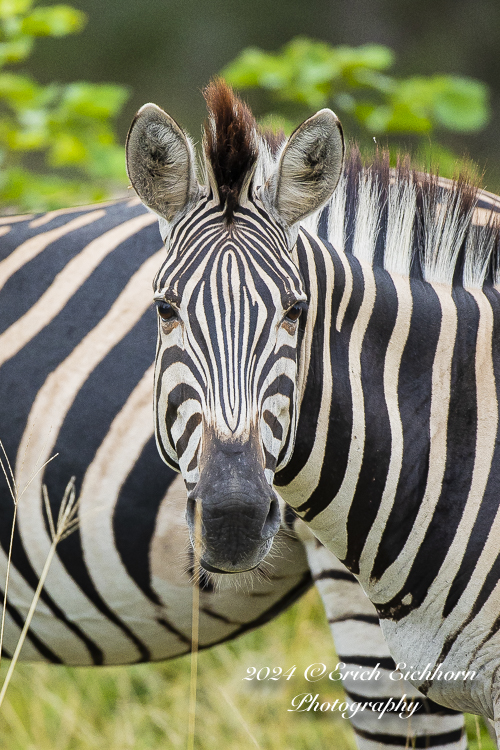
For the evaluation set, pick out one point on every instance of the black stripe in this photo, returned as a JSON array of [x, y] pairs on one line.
[[489, 502], [191, 425], [40, 646], [377, 447], [414, 389], [172, 629], [384, 662], [369, 619], [28, 284], [273, 424], [461, 450], [135, 514], [340, 423], [336, 575], [401, 740]]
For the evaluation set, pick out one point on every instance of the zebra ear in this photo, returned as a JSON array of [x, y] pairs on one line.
[[160, 162], [309, 168]]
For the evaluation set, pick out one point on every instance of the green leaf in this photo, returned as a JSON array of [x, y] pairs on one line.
[[250, 68], [17, 90], [373, 56], [31, 192], [13, 52], [9, 8], [462, 104], [106, 162], [67, 150], [55, 20], [98, 101], [398, 118]]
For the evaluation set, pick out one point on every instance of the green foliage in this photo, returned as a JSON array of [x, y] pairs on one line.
[[306, 75], [57, 141]]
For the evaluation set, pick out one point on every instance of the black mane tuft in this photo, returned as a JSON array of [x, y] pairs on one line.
[[230, 142]]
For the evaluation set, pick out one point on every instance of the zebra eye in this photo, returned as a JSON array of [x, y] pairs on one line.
[[293, 313], [165, 311]]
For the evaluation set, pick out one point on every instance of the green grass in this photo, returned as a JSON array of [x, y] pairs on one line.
[[145, 707]]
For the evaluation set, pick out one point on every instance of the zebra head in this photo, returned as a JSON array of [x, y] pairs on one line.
[[229, 298]]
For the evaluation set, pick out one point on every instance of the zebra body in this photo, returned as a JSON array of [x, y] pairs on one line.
[[76, 316], [383, 414], [76, 312]]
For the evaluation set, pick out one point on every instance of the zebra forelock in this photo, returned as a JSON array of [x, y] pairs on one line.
[[230, 145]]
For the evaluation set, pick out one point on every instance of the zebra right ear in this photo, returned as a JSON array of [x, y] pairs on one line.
[[160, 162], [309, 168]]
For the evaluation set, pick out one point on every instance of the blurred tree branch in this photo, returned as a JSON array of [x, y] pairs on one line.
[[57, 141], [306, 75]]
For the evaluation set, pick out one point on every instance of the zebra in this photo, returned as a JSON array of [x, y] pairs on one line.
[[76, 315], [356, 377]]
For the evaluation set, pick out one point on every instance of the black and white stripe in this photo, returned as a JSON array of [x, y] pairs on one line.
[[410, 502], [76, 380]]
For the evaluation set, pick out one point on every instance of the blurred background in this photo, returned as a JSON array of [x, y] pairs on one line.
[[166, 52]]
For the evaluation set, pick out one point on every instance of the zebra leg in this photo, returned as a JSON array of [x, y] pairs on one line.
[[359, 642]]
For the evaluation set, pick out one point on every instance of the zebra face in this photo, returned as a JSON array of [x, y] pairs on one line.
[[229, 299], [228, 309]]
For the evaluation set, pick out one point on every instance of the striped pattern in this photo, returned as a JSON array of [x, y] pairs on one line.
[[227, 379], [76, 379], [354, 625], [77, 331], [410, 503]]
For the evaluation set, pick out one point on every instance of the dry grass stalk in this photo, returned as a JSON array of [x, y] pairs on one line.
[[16, 496], [240, 717], [67, 521], [194, 628]]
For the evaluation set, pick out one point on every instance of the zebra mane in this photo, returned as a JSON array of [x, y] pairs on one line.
[[418, 225], [236, 148]]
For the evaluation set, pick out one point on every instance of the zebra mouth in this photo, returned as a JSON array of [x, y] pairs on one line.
[[210, 568]]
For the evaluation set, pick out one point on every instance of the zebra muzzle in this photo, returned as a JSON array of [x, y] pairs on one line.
[[240, 514]]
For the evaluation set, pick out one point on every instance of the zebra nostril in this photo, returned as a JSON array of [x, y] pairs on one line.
[[273, 520]]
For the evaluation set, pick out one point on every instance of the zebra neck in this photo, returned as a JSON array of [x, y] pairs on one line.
[[398, 422]]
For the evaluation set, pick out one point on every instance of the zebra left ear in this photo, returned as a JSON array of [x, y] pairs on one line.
[[160, 162], [309, 168]]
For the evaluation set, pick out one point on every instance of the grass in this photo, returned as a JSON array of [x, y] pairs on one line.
[[145, 707]]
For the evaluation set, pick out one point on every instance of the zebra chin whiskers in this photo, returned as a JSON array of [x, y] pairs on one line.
[[245, 581]]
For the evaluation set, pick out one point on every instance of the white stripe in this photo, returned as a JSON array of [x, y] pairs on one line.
[[129, 432], [346, 293], [15, 219], [331, 524], [486, 433], [307, 479], [50, 630], [11, 638], [46, 218]]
